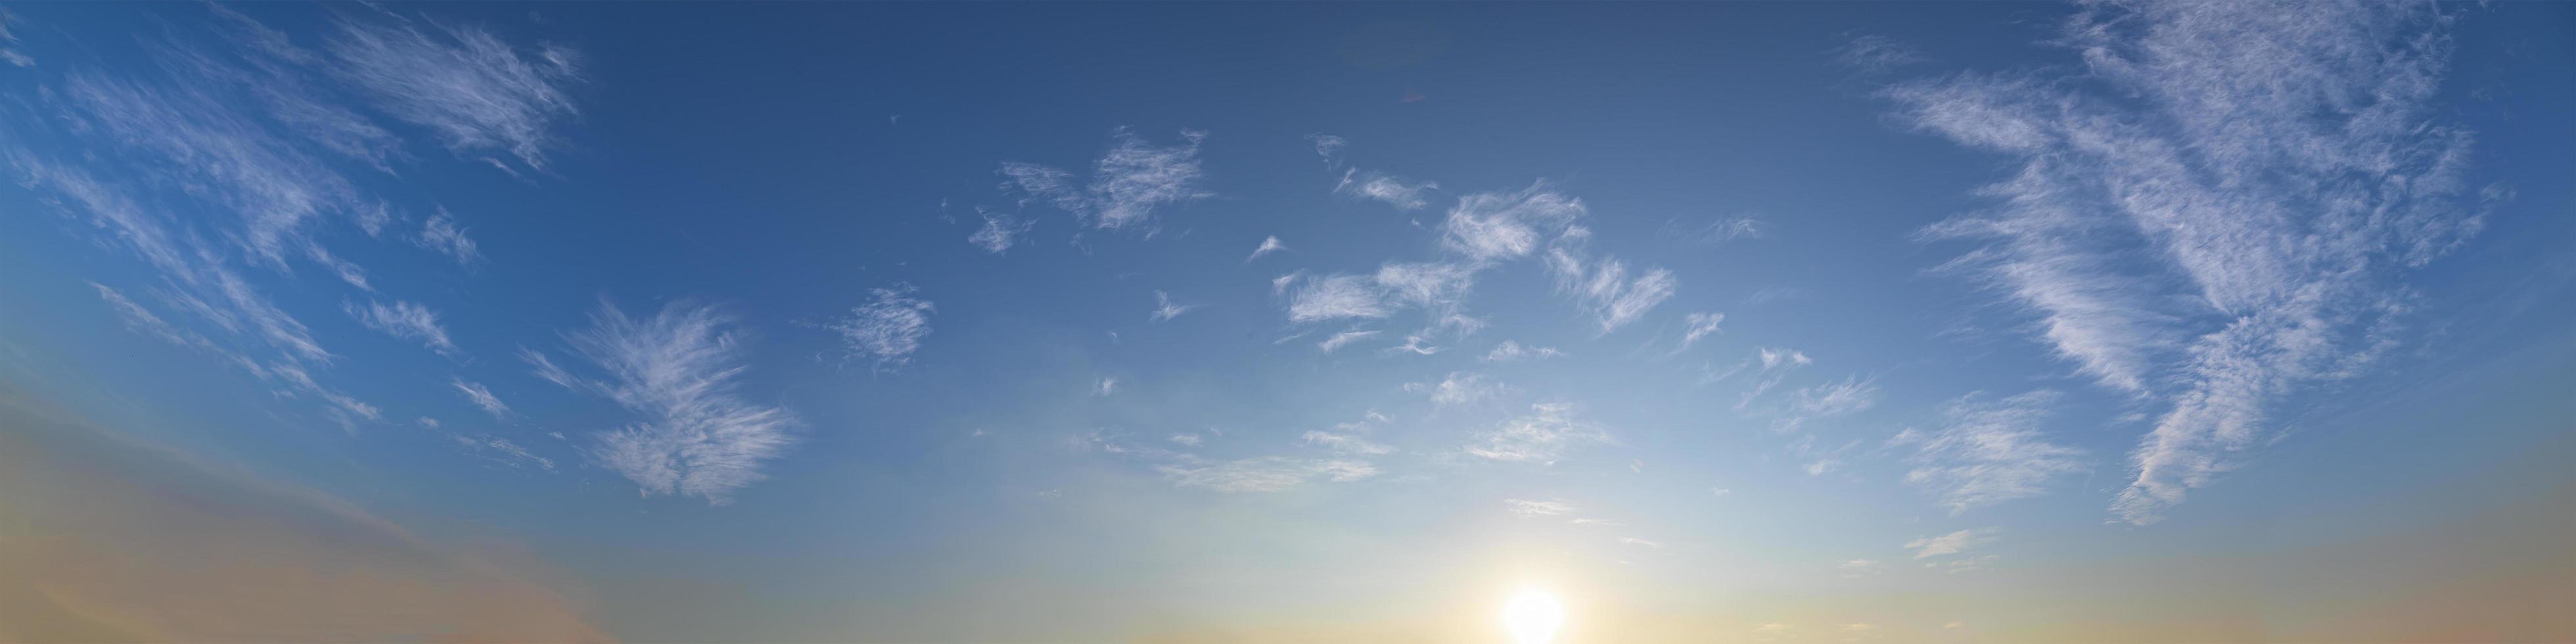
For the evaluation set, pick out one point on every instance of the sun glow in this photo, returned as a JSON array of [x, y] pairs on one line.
[[1533, 616]]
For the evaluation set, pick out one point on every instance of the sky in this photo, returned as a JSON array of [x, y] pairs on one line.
[[1837, 322]]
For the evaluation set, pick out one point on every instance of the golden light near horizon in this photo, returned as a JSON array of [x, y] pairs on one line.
[[1533, 617]]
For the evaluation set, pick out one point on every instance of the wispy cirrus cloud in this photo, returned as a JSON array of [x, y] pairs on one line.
[[1536, 507], [1541, 436], [677, 369], [1389, 189], [888, 328], [1001, 230], [1512, 351], [481, 396], [405, 320], [1127, 184], [1337, 340], [1986, 451], [1953, 543], [1457, 388], [1266, 474], [1604, 287], [2218, 212], [476, 92], [1497, 226], [1335, 297], [1165, 309], [1696, 326], [1268, 245], [441, 234]]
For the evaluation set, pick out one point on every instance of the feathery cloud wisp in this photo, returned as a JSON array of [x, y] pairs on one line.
[[677, 369]]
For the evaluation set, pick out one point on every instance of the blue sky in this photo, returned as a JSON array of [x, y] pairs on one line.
[[1304, 322]]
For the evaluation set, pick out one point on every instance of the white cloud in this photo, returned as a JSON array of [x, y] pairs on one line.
[[2217, 212], [1269, 245], [1775, 357], [1876, 54], [1530, 508], [1952, 543], [1542, 436], [1344, 443], [481, 397], [405, 320], [1329, 147], [1988, 451], [1511, 351], [1186, 439], [677, 369], [888, 328], [1606, 291], [501, 450], [1700, 325], [1000, 231], [1860, 568], [1129, 182], [144, 321], [1343, 338], [1495, 226], [1266, 474], [545, 367], [1335, 297], [476, 92], [1105, 386], [1442, 286], [1836, 399], [1165, 309], [1642, 543], [1391, 189], [1458, 388], [441, 234]]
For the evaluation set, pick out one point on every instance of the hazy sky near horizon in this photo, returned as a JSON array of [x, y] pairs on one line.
[[1283, 322]]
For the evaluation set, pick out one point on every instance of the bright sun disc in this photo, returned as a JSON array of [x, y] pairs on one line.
[[1533, 617]]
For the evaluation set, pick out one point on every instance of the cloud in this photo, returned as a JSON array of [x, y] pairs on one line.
[[1343, 338], [1329, 147], [1127, 184], [1344, 443], [1876, 54], [1391, 189], [1186, 439], [888, 328], [1952, 543], [1836, 399], [1335, 297], [1000, 231], [477, 93], [1269, 245], [1106, 386], [1266, 474], [1511, 351], [1542, 436], [407, 321], [1165, 309], [1988, 451], [501, 450], [1530, 508], [1700, 326], [544, 367], [482, 397], [2217, 212], [1458, 388], [1496, 226], [1603, 287], [144, 321], [1642, 543], [677, 369], [1860, 568], [441, 234], [1440, 286]]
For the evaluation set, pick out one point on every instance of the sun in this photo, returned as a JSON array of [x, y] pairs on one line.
[[1533, 616]]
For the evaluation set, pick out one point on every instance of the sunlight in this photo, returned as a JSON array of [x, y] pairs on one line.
[[1533, 616]]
